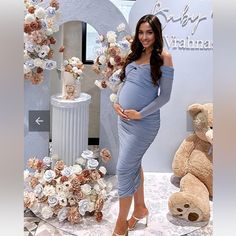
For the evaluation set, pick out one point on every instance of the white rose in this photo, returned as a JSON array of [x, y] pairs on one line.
[[111, 37], [80, 72], [37, 48], [36, 207], [101, 38], [49, 175], [91, 206], [49, 32], [47, 161], [101, 183], [87, 154], [42, 54], [46, 48], [53, 200], [26, 56], [112, 44], [49, 190], [86, 189], [71, 200], [29, 18], [121, 27], [26, 174], [97, 188], [38, 62], [29, 47], [103, 169], [77, 169], [59, 189], [75, 70], [83, 206], [26, 69], [46, 212], [62, 214], [38, 190], [103, 194], [99, 84], [63, 201], [92, 164], [40, 13], [80, 161], [112, 61], [102, 59], [113, 97], [67, 171], [65, 62], [66, 186]]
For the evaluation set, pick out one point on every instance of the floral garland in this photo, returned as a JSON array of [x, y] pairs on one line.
[[39, 26], [111, 56], [67, 192]]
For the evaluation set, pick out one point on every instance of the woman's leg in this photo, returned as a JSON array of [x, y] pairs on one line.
[[121, 223], [140, 209]]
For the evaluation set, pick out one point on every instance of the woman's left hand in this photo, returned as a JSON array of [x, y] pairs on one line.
[[133, 114]]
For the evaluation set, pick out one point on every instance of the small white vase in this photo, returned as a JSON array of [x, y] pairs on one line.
[[71, 87]]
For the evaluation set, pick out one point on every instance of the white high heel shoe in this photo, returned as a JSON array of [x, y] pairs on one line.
[[137, 220]]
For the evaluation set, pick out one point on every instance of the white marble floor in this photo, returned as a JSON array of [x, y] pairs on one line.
[[158, 188]]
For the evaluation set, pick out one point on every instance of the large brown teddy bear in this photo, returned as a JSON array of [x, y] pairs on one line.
[[193, 162]]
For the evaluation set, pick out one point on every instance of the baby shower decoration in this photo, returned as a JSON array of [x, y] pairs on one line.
[[110, 57], [66, 193], [40, 23], [71, 76]]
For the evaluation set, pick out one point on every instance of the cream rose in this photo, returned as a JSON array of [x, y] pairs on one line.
[[80, 161], [102, 59], [40, 13], [121, 27], [86, 189], [47, 212], [103, 169], [49, 190], [76, 169], [113, 97]]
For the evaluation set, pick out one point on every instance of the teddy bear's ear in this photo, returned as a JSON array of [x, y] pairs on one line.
[[194, 109]]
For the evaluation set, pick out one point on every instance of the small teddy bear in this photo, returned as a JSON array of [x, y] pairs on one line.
[[70, 92], [193, 163]]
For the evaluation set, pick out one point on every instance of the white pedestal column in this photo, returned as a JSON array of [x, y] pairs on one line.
[[70, 120]]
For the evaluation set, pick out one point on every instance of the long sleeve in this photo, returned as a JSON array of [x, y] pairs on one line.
[[166, 82]]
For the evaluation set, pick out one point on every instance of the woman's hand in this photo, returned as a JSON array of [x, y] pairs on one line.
[[133, 114], [120, 111]]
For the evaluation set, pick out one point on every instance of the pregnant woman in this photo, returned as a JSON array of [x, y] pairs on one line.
[[147, 82]]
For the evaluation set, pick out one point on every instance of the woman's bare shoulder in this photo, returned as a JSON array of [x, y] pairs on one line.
[[167, 58]]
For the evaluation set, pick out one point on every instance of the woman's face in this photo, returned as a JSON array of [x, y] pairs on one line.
[[146, 35]]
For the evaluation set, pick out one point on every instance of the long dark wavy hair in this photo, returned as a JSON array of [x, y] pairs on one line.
[[137, 48]]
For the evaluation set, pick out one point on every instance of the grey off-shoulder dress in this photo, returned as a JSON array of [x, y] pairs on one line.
[[135, 136]]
